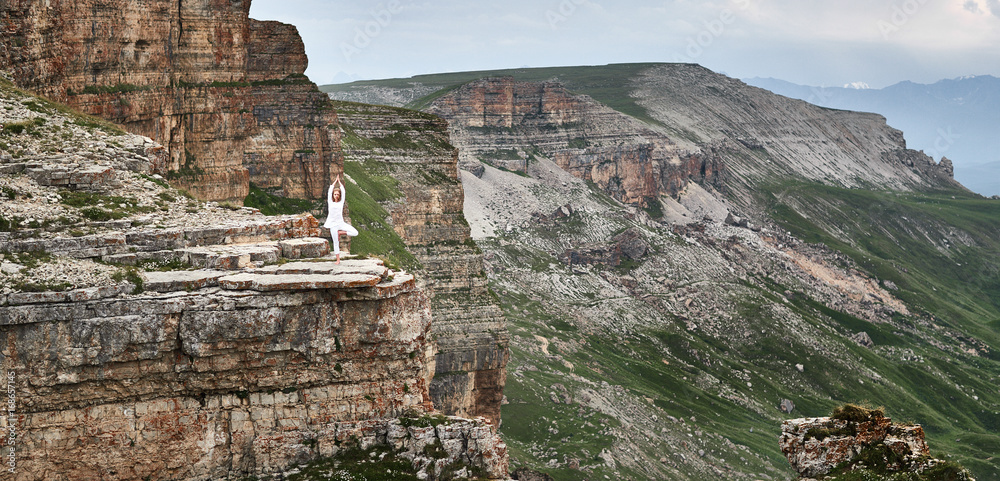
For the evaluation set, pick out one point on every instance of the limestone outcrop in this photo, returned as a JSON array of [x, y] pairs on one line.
[[225, 94], [413, 148], [858, 439]]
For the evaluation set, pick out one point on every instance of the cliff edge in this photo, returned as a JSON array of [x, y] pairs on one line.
[[225, 94]]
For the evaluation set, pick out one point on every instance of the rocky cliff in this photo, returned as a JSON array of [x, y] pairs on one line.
[[408, 155], [509, 124], [147, 335], [766, 138], [222, 92]]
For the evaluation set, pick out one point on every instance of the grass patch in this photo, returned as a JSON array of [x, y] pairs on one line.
[[132, 276], [424, 421], [100, 207], [504, 169], [653, 208], [22, 127], [857, 414], [24, 286], [378, 463], [10, 224], [271, 204]]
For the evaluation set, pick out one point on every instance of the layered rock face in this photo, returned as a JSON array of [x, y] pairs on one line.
[[224, 93], [228, 371], [210, 373], [509, 124], [413, 148], [685, 123]]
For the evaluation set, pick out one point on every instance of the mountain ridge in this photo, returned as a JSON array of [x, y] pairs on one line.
[[954, 118]]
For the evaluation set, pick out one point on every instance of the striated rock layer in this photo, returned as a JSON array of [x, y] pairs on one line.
[[510, 124], [224, 93], [671, 126], [208, 382], [413, 148]]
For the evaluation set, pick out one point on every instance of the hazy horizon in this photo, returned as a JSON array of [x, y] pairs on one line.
[[810, 43]]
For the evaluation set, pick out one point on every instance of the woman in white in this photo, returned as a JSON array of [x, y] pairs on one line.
[[335, 218]]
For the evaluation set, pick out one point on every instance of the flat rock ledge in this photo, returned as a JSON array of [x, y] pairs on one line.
[[263, 255]]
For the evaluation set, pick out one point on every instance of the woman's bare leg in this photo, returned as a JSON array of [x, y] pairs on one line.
[[336, 244], [339, 233]]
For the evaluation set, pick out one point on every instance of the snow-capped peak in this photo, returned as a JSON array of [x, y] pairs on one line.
[[857, 86]]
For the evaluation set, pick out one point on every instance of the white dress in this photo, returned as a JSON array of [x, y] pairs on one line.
[[335, 218]]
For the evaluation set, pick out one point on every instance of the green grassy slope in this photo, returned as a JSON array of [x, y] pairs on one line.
[[694, 395]]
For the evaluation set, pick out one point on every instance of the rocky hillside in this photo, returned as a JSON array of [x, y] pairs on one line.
[[956, 118], [225, 94], [827, 264]]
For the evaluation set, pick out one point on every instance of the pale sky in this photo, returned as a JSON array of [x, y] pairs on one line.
[[813, 42]]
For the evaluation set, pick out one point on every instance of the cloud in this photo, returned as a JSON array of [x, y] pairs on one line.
[[972, 6], [994, 7]]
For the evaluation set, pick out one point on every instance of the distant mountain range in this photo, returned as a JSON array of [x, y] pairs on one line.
[[957, 118]]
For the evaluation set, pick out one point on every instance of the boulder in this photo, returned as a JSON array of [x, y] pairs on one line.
[[857, 439], [863, 339]]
